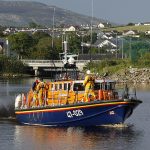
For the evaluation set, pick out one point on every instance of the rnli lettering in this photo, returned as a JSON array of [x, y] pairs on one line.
[[77, 113]]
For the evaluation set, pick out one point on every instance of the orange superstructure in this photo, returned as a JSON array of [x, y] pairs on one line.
[[68, 92]]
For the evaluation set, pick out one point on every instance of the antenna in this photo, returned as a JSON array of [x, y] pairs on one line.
[[122, 49], [65, 48], [92, 23]]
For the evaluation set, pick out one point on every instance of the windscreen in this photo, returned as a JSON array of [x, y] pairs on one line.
[[78, 87]]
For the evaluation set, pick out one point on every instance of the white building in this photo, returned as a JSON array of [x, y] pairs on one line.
[[71, 28], [100, 25], [146, 23]]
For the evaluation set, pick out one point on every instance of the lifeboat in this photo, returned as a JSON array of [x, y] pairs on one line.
[[62, 103]]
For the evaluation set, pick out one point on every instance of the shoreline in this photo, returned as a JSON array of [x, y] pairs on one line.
[[12, 75], [130, 75]]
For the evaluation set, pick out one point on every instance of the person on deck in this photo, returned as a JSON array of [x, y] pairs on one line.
[[88, 83], [35, 96], [41, 93], [34, 86]]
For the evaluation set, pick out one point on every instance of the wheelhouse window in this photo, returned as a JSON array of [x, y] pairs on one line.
[[78, 87], [65, 86], [108, 86], [56, 87], [104, 86], [68, 86], [52, 86], [112, 86], [97, 86], [60, 86]]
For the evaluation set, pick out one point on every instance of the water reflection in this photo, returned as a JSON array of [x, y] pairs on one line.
[[76, 138], [118, 138]]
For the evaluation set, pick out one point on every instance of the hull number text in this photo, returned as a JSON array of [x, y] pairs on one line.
[[77, 113]]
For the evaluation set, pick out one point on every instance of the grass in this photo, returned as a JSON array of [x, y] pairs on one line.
[[141, 28], [116, 66]]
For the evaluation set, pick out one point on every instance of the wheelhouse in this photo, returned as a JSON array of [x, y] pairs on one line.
[[70, 92], [98, 85]]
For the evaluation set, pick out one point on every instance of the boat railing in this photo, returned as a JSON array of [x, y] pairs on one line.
[[61, 97], [127, 94]]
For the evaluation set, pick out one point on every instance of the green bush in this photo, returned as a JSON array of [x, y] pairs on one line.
[[120, 65], [9, 65], [109, 66]]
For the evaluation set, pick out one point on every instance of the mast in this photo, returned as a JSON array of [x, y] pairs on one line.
[[65, 51], [69, 60], [91, 30], [53, 28]]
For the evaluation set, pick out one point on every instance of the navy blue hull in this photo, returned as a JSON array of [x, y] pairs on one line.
[[89, 114]]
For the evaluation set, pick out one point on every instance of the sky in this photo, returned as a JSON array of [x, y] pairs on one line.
[[116, 11]]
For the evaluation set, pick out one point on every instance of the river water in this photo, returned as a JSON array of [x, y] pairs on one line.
[[133, 135]]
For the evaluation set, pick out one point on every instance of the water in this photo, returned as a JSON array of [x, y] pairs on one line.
[[133, 135]]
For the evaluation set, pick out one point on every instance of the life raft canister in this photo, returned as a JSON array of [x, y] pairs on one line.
[[18, 101]]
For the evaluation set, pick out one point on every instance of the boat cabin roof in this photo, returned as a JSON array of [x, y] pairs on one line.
[[96, 81], [81, 81]]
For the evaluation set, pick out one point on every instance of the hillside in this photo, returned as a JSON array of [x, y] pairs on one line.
[[21, 13]]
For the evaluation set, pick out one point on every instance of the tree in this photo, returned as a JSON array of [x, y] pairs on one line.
[[74, 43], [88, 38], [94, 38], [44, 50], [38, 35], [130, 24], [10, 65], [20, 43], [136, 48], [33, 25]]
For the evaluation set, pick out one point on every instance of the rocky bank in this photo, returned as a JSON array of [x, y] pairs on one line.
[[132, 75]]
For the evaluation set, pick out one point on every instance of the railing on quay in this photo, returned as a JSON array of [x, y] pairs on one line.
[[35, 64], [50, 61]]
